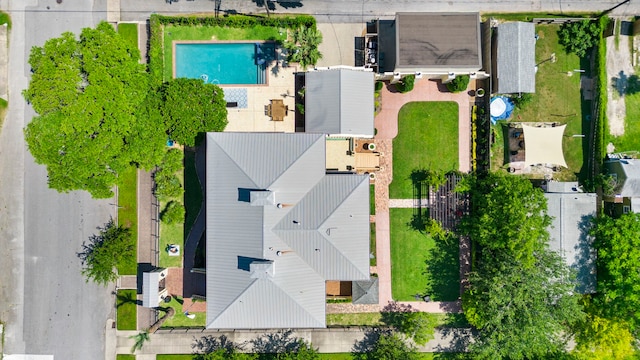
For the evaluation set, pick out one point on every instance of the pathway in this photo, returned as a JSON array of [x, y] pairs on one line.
[[331, 340], [619, 68]]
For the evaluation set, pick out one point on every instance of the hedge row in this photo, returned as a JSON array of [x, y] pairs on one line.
[[240, 21], [156, 56], [601, 127]]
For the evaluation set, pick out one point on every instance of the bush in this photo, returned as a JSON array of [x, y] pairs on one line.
[[458, 84], [167, 186], [173, 213], [172, 161], [522, 100], [240, 21], [379, 85], [406, 83], [579, 37]]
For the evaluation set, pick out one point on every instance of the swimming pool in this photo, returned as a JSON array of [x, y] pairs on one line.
[[224, 63]]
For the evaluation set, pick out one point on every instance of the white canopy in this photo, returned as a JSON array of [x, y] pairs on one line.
[[543, 145]]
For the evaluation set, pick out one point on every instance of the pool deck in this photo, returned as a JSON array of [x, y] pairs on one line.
[[281, 85]]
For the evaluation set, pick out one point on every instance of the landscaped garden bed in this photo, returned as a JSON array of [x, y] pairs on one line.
[[427, 139]]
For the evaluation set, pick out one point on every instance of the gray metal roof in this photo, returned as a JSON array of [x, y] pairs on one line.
[[628, 176], [516, 55], [572, 213], [365, 292], [267, 265], [150, 290], [339, 101], [438, 40]]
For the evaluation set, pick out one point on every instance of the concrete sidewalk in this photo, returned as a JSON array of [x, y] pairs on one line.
[[334, 340]]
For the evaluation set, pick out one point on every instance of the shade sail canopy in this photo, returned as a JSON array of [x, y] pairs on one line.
[[544, 145]]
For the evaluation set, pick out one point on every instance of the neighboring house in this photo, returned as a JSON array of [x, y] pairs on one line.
[[277, 228], [572, 211], [626, 173], [339, 102], [429, 44], [515, 54]]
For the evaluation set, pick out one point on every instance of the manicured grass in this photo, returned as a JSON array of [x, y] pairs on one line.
[[125, 357], [180, 319], [372, 199], [5, 19], [630, 141], [192, 191], [126, 310], [427, 139], [128, 214], [527, 17], [172, 33], [171, 234], [371, 319], [557, 98], [130, 33], [173, 357], [372, 244], [419, 264]]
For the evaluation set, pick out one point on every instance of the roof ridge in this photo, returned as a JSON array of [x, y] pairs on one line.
[[232, 302]]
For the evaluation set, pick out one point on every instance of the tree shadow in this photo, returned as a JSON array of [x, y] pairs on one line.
[[209, 343], [366, 344], [128, 297], [626, 84], [584, 267], [442, 269], [290, 4], [393, 313], [458, 340], [279, 342]]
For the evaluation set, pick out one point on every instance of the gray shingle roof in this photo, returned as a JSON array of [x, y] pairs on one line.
[[365, 292], [516, 58], [438, 40], [267, 264], [572, 212], [339, 101]]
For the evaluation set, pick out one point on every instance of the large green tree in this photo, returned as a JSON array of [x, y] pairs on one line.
[[387, 346], [520, 294], [87, 93], [103, 253], [508, 215], [191, 108], [618, 245]]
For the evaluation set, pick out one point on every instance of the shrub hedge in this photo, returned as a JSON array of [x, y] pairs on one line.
[[406, 84], [240, 21], [458, 84]]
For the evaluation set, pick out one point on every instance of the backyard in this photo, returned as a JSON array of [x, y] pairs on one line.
[[171, 234], [427, 139], [557, 99], [419, 263]]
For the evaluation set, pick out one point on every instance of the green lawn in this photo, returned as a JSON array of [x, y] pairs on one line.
[[200, 32], [630, 141], [180, 319], [126, 310], [372, 244], [128, 214], [372, 199], [171, 234], [419, 264], [375, 319], [125, 357], [130, 33], [192, 191], [557, 98], [427, 139]]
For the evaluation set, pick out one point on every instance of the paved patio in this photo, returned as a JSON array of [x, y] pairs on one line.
[[280, 85]]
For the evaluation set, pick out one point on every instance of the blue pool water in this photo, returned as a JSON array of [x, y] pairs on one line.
[[224, 63]]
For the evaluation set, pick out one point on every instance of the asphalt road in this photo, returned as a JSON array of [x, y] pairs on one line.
[[363, 10], [44, 301]]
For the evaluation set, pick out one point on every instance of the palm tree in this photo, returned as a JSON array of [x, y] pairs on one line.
[[169, 312], [303, 46], [140, 339]]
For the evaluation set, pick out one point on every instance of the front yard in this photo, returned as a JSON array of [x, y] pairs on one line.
[[419, 263], [427, 139]]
